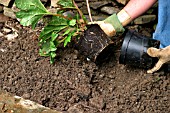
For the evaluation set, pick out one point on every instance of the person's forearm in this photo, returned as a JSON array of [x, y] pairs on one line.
[[137, 7]]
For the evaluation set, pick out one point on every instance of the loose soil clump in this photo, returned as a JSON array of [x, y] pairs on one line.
[[75, 85]]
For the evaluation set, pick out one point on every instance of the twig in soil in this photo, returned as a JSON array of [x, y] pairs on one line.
[[88, 8]]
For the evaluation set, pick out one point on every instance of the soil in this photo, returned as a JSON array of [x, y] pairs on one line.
[[76, 85]]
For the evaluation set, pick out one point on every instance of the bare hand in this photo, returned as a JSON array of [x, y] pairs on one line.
[[162, 54]]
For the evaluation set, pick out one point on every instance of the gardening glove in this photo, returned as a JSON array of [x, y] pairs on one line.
[[163, 55], [113, 25]]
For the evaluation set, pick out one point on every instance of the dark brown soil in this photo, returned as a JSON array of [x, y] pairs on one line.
[[78, 86]]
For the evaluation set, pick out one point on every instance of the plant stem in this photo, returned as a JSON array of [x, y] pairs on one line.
[[66, 8], [81, 14], [62, 16]]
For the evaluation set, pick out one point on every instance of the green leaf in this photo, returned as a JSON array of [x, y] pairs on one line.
[[77, 16], [48, 30], [56, 25], [56, 20], [54, 36], [52, 56], [66, 32], [47, 47], [44, 38], [52, 46], [29, 4], [31, 11], [68, 38], [42, 53], [72, 22], [65, 3]]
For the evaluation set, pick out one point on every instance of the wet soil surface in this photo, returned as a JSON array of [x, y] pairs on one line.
[[75, 85]]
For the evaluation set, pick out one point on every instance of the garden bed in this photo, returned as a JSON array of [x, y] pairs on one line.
[[75, 85]]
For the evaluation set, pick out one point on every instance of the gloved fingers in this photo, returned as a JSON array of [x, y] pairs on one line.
[[106, 27], [163, 55], [96, 22], [154, 52], [156, 67]]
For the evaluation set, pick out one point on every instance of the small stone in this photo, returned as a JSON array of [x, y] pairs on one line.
[[80, 4], [96, 5], [6, 30], [97, 102], [99, 17], [26, 95], [150, 11], [69, 13], [1, 8], [1, 34], [88, 59], [146, 33], [155, 5], [3, 50], [17, 104], [76, 52], [9, 13], [14, 8], [52, 10], [75, 56], [84, 90], [124, 2], [102, 75], [11, 36], [56, 71], [122, 67], [3, 18], [145, 19], [5, 2], [54, 3], [109, 10]]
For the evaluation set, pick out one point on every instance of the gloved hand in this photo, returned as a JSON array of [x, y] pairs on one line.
[[106, 27], [162, 54], [111, 25], [114, 24]]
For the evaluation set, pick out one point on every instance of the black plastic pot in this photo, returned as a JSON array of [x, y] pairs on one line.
[[166, 67], [134, 50], [95, 45]]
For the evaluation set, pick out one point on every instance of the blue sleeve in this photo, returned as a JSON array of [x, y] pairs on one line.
[[162, 32]]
